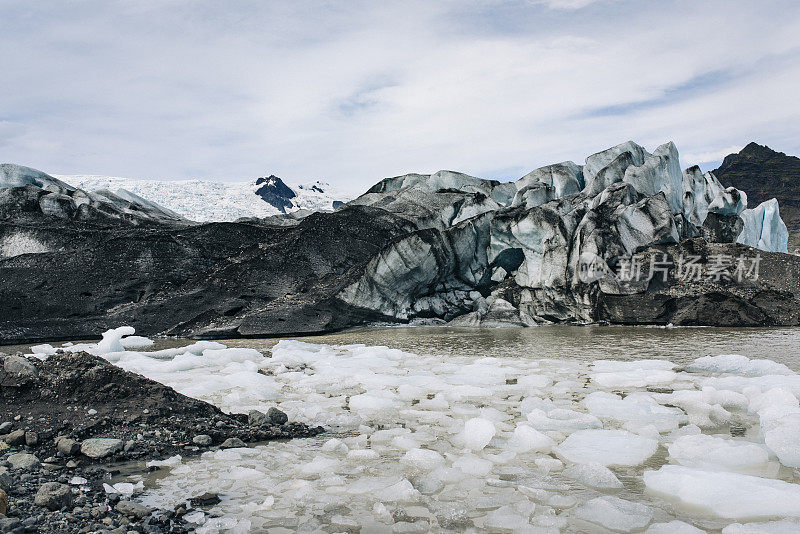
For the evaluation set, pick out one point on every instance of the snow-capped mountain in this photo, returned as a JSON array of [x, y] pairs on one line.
[[206, 200]]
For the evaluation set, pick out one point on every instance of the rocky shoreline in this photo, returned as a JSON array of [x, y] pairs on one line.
[[68, 422]]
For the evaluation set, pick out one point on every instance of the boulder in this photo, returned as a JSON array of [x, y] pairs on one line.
[[53, 496], [101, 447], [276, 417], [23, 461], [133, 509], [256, 418], [232, 443], [16, 437], [19, 366], [204, 440], [67, 446]]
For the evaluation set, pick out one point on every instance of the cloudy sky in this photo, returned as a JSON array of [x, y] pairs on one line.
[[352, 91]]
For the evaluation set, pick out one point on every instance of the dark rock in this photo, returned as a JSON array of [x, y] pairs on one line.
[[6, 427], [6, 481], [276, 417], [11, 525], [53, 496], [19, 365], [132, 509], [254, 417], [31, 439], [101, 447], [23, 461], [232, 443], [17, 437], [205, 500], [204, 440], [67, 446]]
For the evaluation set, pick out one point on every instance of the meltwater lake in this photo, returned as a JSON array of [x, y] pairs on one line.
[[547, 429]]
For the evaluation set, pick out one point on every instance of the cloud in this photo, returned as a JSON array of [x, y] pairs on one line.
[[353, 92], [567, 4]]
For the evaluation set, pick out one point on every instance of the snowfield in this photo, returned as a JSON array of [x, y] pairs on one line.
[[206, 200], [420, 443]]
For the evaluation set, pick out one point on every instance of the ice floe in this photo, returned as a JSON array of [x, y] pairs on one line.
[[422, 442]]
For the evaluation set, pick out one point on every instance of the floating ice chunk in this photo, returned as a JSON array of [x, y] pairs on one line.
[[637, 408], [606, 447], [700, 412], [593, 475], [362, 455], [737, 364], [534, 381], [548, 464], [172, 461], [368, 405], [401, 491], [472, 465], [634, 378], [616, 366], [320, 464], [562, 419], [765, 527], [477, 433], [111, 341], [44, 349], [198, 517], [506, 519], [614, 514], [673, 527], [422, 459], [716, 453], [405, 443], [771, 398], [527, 439], [335, 446], [136, 342], [725, 494], [784, 440]]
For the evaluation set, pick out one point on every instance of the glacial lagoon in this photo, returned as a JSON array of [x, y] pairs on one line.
[[548, 429]]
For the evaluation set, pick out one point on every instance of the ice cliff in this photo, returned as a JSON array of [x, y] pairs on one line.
[[539, 232]]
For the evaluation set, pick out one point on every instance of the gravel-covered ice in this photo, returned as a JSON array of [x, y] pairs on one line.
[[427, 443]]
